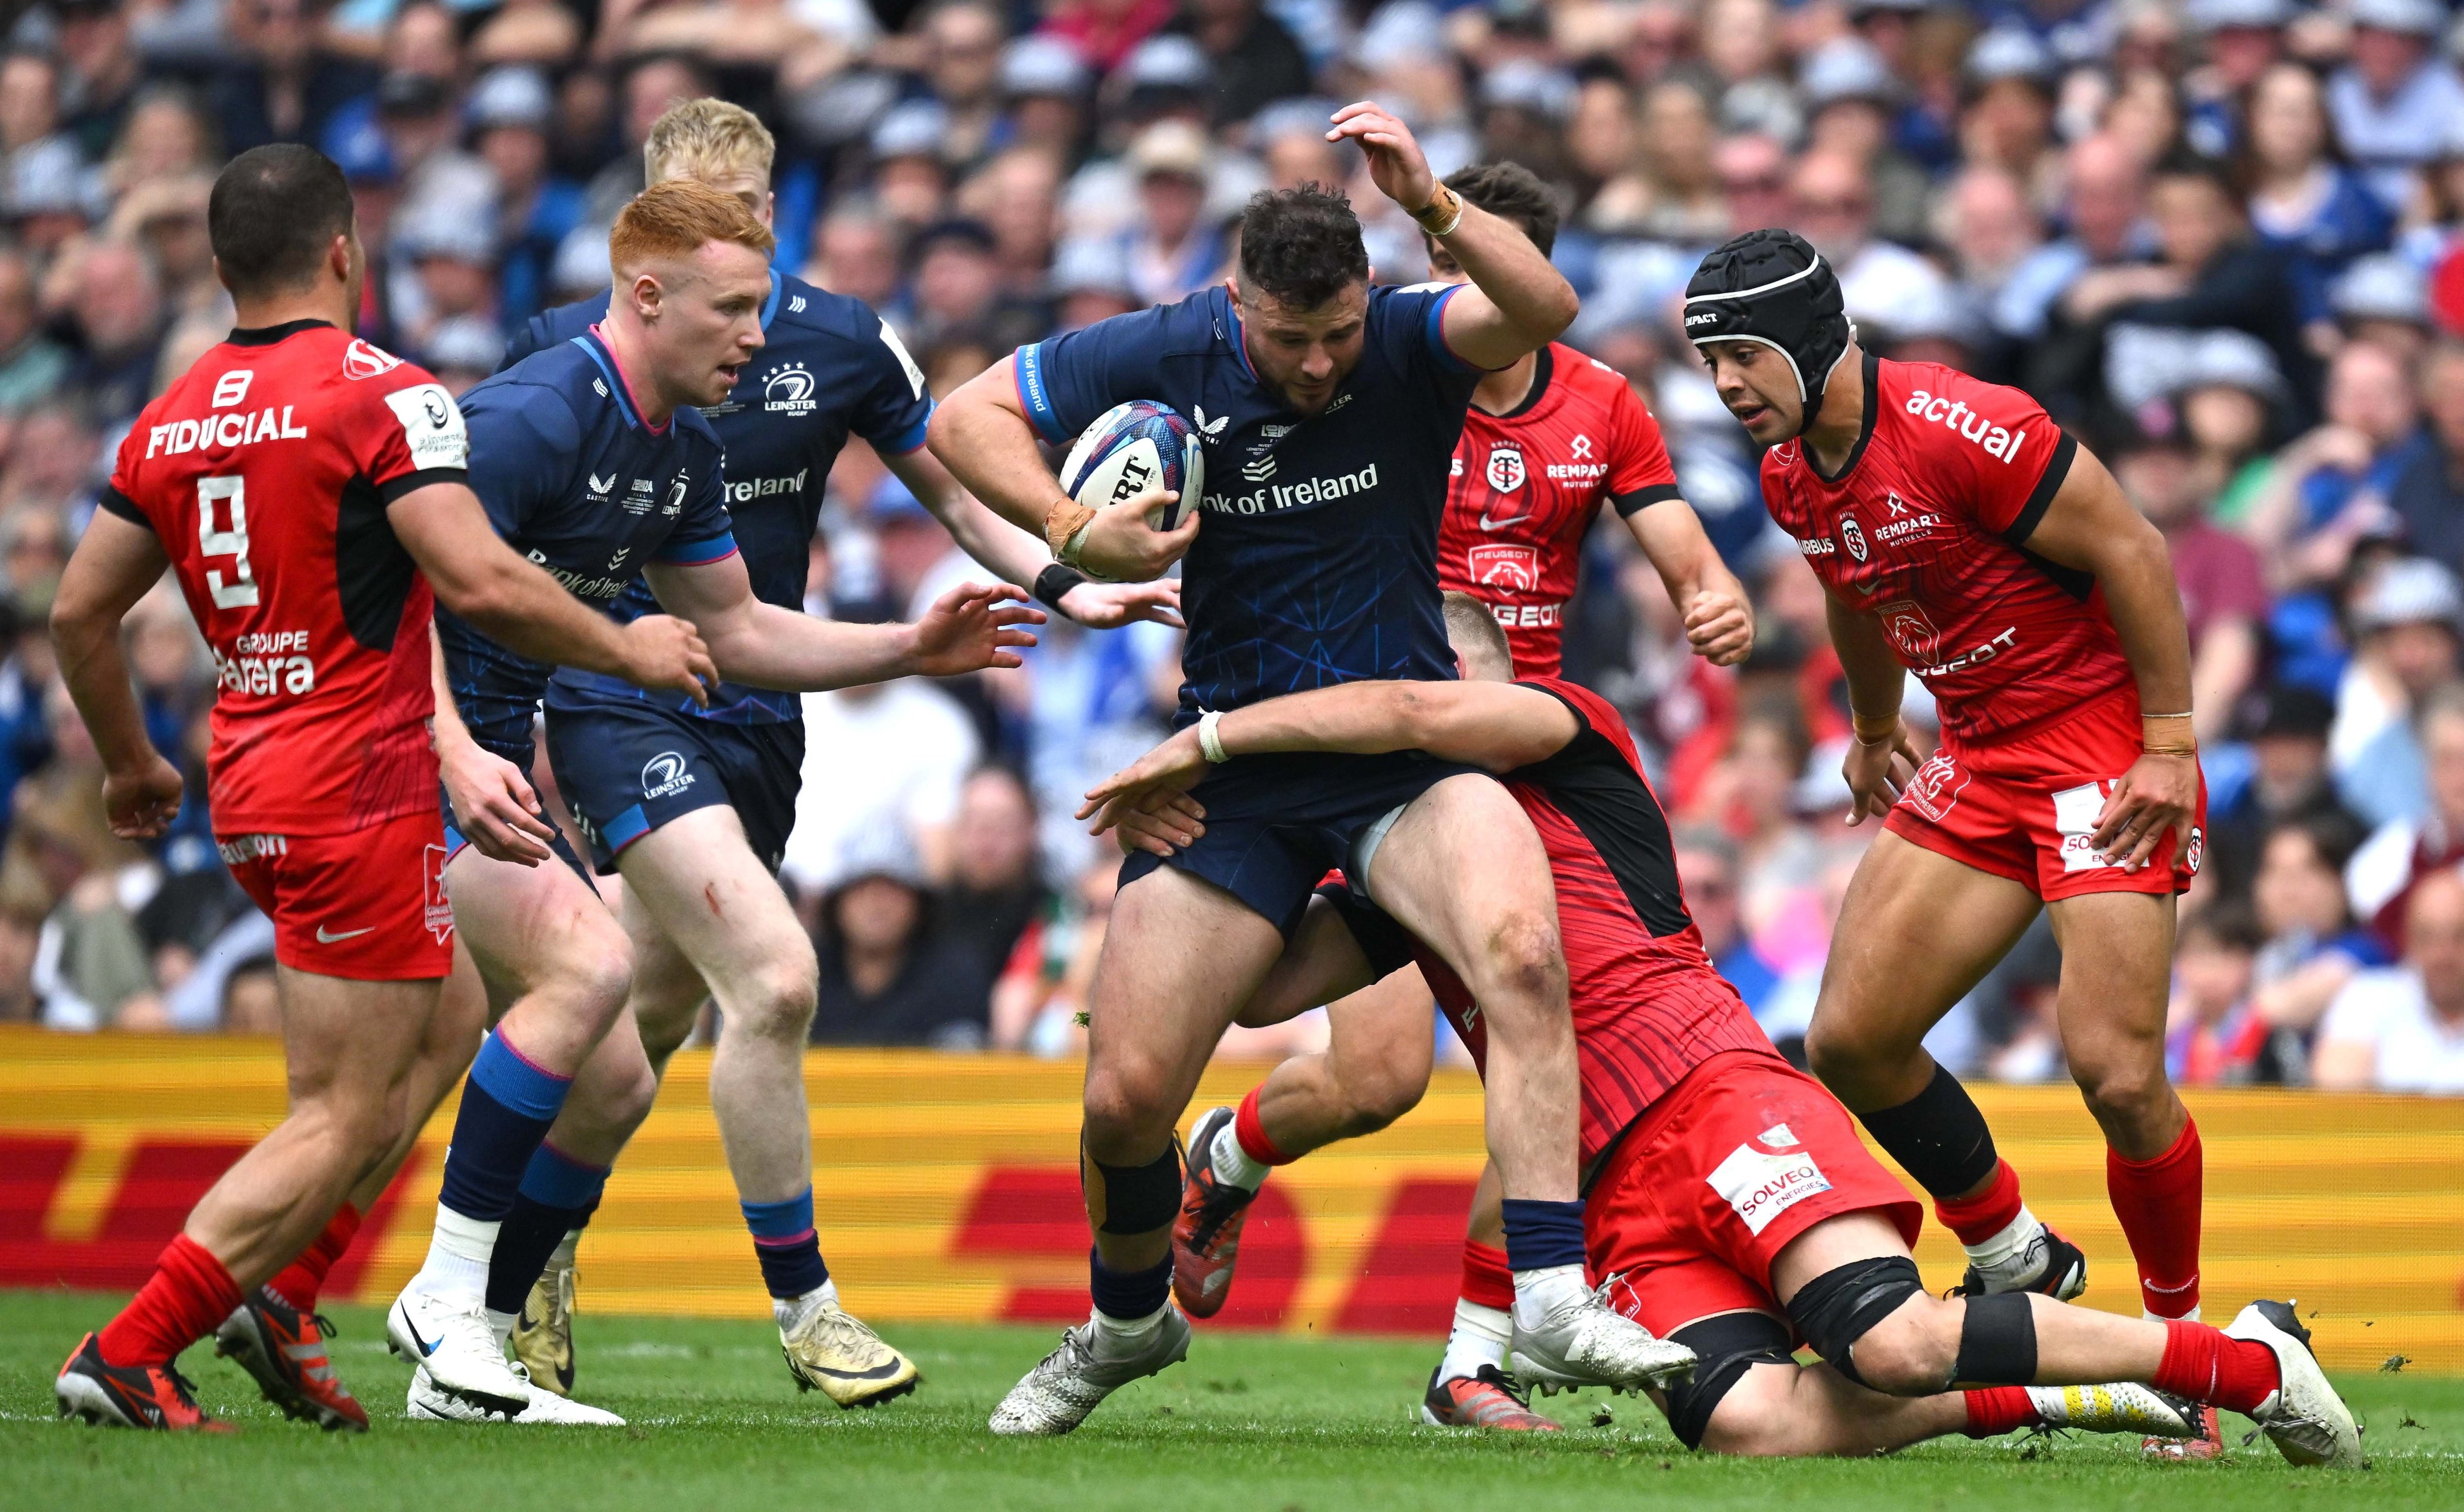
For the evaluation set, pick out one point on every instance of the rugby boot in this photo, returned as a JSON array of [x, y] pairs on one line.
[[1585, 1342], [831, 1352], [2208, 1443], [450, 1337], [2123, 1407], [1487, 1399], [2303, 1417], [1206, 1234], [542, 1338], [155, 1396], [1069, 1382], [2047, 1263], [427, 1403], [284, 1348]]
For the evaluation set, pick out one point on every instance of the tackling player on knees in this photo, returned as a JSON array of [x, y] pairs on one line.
[[1731, 1207], [1960, 535]]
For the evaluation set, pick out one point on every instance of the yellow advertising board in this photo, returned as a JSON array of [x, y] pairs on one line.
[[946, 1189]]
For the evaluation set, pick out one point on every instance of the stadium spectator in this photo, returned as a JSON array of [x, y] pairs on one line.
[[2427, 493], [2412, 845], [886, 978], [2406, 621], [2207, 1039], [2402, 1029], [2287, 781], [2312, 947], [2224, 596]]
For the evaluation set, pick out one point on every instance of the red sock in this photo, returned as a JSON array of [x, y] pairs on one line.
[[1994, 1411], [2201, 1363], [188, 1294], [2158, 1203], [1487, 1283], [1252, 1134], [299, 1282], [1978, 1219]]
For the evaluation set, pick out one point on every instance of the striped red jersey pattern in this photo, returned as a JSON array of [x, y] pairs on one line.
[[1926, 529], [1648, 1006], [1527, 486]]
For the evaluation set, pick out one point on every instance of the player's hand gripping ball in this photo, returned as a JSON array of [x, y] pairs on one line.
[[1138, 448]]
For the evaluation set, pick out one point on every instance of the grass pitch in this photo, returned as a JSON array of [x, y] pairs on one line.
[[1249, 1421]]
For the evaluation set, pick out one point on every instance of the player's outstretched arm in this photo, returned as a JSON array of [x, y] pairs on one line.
[[1498, 726], [972, 627], [481, 578], [982, 435], [1718, 618], [2090, 525], [1882, 760], [113, 566], [1517, 303], [1016, 556]]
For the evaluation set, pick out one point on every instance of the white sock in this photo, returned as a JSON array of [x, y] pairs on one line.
[[1233, 1165], [792, 1311], [1119, 1336], [502, 1325], [1479, 1338], [561, 1256], [2006, 1244], [458, 1257], [1537, 1292]]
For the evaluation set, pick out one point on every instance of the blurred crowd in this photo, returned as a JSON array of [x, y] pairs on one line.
[[2221, 240]]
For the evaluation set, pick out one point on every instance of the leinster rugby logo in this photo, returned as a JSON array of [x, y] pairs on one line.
[[1505, 472], [1853, 536], [665, 773], [790, 391]]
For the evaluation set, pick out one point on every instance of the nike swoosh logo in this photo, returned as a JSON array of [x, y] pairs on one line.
[[879, 1372], [323, 938], [425, 1349], [1485, 523]]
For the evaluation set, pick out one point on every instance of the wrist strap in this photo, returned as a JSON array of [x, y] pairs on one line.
[[1210, 739], [1063, 524], [2176, 741], [1874, 729], [1053, 582], [1442, 213]]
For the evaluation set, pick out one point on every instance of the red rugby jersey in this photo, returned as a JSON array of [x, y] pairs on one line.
[[1926, 529], [1648, 1006], [1528, 484], [265, 470]]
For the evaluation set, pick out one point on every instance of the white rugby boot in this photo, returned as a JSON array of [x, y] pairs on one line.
[[2303, 1417], [430, 1403], [1583, 1340], [2121, 1407], [449, 1338], [1069, 1382]]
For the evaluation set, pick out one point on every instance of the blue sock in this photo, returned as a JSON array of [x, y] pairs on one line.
[[1127, 1295], [1542, 1235], [557, 1195], [790, 1252], [507, 1106]]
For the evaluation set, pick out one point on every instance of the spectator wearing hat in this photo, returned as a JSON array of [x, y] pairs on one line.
[[911, 178], [462, 350], [2223, 598], [2427, 491], [509, 111], [2303, 198], [2410, 846], [2006, 118], [1252, 56], [2283, 776], [1173, 248], [2383, 300], [2406, 626], [1044, 83], [886, 978], [447, 248], [45, 201], [2395, 103], [2402, 1029], [2239, 40]]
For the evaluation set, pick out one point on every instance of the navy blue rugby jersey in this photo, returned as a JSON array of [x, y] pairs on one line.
[[574, 480], [830, 369], [1317, 561]]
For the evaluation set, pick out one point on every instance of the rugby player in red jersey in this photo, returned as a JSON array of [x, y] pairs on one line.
[[1546, 441], [308, 489], [1960, 534], [1730, 1204]]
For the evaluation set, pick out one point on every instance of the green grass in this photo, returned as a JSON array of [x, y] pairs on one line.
[[1249, 1421]]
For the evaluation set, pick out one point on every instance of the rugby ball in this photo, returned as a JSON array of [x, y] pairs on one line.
[[1130, 450]]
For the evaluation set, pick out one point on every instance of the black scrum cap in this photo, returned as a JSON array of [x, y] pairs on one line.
[[1772, 286]]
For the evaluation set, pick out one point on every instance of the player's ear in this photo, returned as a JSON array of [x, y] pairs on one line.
[[648, 295], [1232, 287], [337, 257]]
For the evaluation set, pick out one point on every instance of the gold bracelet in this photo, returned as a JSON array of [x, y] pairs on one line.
[[1445, 206], [1061, 522], [2190, 749], [1874, 729]]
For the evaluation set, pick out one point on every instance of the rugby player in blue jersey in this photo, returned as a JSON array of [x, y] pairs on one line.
[[594, 462], [1329, 409], [829, 368]]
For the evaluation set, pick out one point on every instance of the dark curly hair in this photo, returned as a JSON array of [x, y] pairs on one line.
[[1302, 245], [1512, 192]]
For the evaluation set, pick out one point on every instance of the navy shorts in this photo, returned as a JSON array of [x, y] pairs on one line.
[[455, 840], [1277, 824], [627, 766]]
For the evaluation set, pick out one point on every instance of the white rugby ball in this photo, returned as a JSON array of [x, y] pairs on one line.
[[1133, 448]]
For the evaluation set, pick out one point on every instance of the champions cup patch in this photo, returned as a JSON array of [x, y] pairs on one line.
[[2075, 811], [1934, 791], [1760, 1186]]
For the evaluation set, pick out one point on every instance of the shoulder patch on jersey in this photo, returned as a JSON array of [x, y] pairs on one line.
[[431, 425], [1431, 287], [898, 349], [360, 360]]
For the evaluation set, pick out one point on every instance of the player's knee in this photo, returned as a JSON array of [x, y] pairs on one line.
[[778, 992], [1373, 1098], [1834, 1053], [1872, 1321], [1125, 1109], [1522, 956], [1913, 1351], [2128, 1088]]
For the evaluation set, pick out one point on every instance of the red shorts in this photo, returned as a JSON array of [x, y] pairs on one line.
[[1741, 1156], [2025, 807], [367, 905]]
